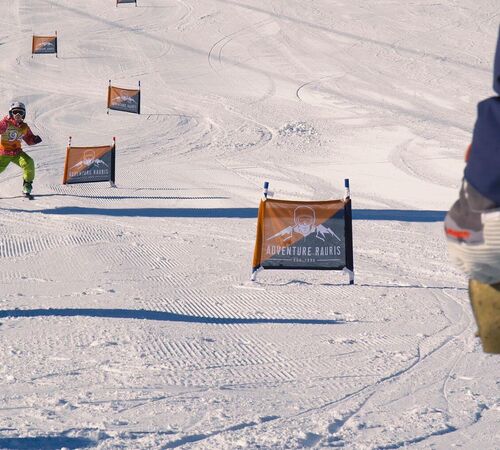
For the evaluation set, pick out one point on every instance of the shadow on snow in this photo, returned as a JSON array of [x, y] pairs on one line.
[[45, 442], [143, 314], [397, 215], [232, 213]]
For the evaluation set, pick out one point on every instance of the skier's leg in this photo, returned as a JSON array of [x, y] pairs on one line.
[[25, 162], [4, 162], [485, 301], [476, 251]]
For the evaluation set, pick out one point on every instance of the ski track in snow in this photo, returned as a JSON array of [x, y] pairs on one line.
[[127, 318]]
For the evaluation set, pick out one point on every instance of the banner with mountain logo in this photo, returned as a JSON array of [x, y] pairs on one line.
[[128, 100], [304, 235], [89, 164], [44, 44]]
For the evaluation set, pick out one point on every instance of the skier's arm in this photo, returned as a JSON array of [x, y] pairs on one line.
[[4, 124], [30, 138]]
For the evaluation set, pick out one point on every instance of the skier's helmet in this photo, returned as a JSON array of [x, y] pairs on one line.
[[17, 108]]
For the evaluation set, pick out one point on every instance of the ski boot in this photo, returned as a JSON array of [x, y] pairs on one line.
[[27, 187]]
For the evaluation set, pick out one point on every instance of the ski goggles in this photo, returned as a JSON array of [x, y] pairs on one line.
[[21, 112]]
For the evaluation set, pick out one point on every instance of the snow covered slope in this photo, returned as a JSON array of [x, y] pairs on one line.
[[127, 318]]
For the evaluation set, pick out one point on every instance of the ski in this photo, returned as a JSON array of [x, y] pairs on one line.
[[29, 196]]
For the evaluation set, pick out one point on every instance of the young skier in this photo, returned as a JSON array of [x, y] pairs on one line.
[[13, 129], [472, 225]]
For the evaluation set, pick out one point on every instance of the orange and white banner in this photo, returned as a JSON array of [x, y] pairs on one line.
[[128, 100], [89, 164], [303, 235], [44, 44]]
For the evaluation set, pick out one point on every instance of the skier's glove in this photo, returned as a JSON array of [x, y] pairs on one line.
[[37, 139]]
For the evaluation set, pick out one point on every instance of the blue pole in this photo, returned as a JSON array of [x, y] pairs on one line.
[[347, 191], [266, 188]]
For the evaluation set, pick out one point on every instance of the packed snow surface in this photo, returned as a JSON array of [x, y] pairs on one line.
[[127, 315]]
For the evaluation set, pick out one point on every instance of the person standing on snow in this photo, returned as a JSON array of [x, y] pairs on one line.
[[13, 129], [472, 225]]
